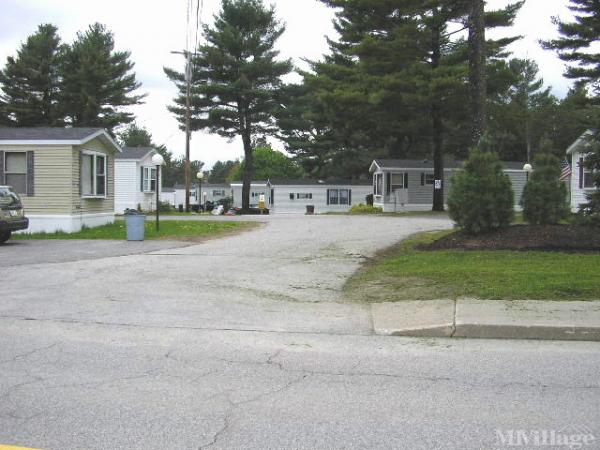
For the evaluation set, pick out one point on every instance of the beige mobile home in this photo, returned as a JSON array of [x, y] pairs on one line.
[[65, 176]]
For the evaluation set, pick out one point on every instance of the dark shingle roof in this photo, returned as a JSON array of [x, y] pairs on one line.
[[309, 182], [134, 152], [46, 134], [428, 164]]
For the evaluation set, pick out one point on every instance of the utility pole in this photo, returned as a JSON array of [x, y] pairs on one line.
[[188, 115]]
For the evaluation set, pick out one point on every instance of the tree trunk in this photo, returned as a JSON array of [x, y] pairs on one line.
[[477, 70], [248, 169], [437, 128]]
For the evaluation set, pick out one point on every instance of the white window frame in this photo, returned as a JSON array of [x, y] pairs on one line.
[[338, 198], [304, 196], [95, 156], [588, 174], [378, 184], [24, 174], [218, 192], [148, 179], [395, 186]]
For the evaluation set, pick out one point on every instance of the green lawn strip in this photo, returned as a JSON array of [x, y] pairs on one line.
[[169, 229], [408, 274]]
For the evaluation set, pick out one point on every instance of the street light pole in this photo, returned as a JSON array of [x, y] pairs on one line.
[[158, 161], [199, 176]]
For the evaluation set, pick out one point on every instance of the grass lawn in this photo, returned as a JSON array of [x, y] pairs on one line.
[[169, 229], [404, 273]]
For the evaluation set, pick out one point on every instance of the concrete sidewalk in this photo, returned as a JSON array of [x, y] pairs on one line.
[[492, 319]]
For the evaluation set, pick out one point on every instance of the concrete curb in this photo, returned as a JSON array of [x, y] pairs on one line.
[[489, 319]]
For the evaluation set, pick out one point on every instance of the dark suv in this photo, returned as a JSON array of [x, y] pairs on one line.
[[11, 213]]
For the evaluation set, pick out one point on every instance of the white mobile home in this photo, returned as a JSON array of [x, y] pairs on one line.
[[582, 181], [213, 192], [175, 196], [135, 179], [407, 185], [293, 196]]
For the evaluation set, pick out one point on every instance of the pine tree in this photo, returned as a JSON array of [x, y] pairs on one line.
[[577, 41], [98, 81], [30, 82], [236, 78]]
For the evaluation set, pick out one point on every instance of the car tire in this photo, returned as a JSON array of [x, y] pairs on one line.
[[4, 236]]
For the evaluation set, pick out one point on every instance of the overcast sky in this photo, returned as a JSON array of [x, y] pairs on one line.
[[151, 29]]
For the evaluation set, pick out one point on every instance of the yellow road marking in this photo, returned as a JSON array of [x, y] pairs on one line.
[[11, 447]]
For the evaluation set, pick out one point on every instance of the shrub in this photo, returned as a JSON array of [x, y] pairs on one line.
[[481, 196], [365, 209], [165, 207], [544, 195]]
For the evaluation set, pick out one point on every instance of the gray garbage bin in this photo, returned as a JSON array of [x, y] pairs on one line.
[[135, 222]]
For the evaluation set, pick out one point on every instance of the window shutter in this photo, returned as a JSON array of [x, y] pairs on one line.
[[142, 179], [350, 196], [80, 175], [388, 183], [422, 179], [30, 174], [106, 170], [1, 167], [405, 180], [328, 196], [581, 174]]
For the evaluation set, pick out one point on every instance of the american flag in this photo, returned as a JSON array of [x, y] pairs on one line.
[[565, 170]]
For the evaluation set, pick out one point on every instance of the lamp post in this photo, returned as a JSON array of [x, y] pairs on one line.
[[527, 168], [158, 161], [200, 177]]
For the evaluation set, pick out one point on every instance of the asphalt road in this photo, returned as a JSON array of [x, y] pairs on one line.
[[246, 342]]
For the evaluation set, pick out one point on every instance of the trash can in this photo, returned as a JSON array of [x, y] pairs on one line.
[[310, 209], [135, 222]]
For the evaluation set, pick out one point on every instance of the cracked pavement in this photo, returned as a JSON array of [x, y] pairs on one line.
[[246, 343]]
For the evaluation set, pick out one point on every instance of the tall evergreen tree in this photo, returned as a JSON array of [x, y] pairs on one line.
[[393, 85], [30, 82], [576, 42], [98, 81], [236, 78]]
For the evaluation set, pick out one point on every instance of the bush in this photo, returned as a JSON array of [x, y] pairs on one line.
[[544, 195], [481, 196], [365, 209], [165, 207]]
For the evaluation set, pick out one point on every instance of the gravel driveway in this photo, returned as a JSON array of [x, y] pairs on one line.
[[285, 276]]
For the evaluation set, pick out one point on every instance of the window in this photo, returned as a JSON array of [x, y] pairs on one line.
[[15, 171], [427, 179], [218, 193], [398, 181], [93, 175], [378, 184], [304, 196], [586, 177], [149, 179], [257, 194], [333, 196], [339, 196]]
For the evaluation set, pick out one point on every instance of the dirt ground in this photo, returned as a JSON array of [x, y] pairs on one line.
[[524, 237]]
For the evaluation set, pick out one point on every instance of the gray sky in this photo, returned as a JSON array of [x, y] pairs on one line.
[[151, 29]]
